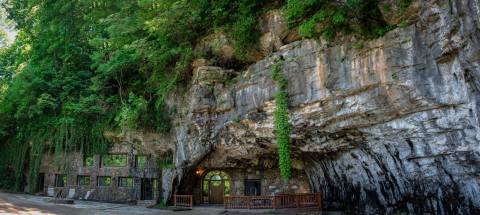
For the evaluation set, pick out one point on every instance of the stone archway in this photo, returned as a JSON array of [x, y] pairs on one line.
[[215, 185]]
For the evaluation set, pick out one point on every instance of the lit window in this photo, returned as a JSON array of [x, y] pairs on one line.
[[125, 182], [114, 160], [83, 180], [60, 180], [104, 181]]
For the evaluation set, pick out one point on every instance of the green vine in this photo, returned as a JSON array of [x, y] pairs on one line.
[[282, 126], [56, 137]]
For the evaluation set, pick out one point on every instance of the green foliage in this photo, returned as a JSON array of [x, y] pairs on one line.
[[403, 24], [80, 68], [358, 45], [327, 18], [404, 4], [131, 111], [283, 128], [245, 34]]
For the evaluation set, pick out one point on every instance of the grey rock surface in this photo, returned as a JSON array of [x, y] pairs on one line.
[[392, 127]]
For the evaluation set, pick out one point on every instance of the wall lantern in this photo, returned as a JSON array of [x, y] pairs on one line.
[[199, 172]]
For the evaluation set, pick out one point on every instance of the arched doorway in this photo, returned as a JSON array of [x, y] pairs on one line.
[[215, 185]]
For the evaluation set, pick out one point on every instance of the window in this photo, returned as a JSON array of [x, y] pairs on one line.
[[166, 160], [60, 180], [104, 181], [252, 188], [125, 182], [88, 161], [83, 180], [140, 161], [114, 160]]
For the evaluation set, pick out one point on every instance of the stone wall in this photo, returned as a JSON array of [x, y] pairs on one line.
[[72, 166], [270, 181]]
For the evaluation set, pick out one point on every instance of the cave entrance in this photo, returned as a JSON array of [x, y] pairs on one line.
[[215, 185]]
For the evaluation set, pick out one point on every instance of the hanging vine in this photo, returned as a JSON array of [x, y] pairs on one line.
[[282, 126], [55, 137]]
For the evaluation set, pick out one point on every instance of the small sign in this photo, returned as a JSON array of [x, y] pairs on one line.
[[51, 192]]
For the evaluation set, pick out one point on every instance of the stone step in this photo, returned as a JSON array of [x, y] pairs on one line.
[[146, 203]]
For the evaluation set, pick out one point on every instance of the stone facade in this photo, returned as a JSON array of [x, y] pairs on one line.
[[75, 167], [271, 183]]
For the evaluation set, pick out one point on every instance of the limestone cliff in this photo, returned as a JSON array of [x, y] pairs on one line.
[[387, 127]]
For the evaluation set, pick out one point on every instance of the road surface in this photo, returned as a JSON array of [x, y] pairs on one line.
[[11, 203]]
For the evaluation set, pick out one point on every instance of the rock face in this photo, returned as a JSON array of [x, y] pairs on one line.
[[392, 127]]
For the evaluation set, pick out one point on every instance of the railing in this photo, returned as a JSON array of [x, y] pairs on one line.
[[311, 201], [263, 202], [237, 202], [183, 201], [60, 194]]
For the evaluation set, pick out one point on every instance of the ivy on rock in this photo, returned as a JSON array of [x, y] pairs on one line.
[[283, 128]]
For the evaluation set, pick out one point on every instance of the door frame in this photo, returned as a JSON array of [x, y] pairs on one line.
[[226, 177], [143, 187]]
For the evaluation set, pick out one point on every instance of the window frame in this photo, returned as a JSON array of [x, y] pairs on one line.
[[121, 179], [166, 160], [102, 160], [79, 177], [101, 177], [257, 183], [144, 165], [64, 180], [85, 160]]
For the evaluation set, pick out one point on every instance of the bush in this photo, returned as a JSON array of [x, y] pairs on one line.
[[327, 18]]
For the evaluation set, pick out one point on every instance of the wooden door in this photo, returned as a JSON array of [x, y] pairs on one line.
[[216, 192]]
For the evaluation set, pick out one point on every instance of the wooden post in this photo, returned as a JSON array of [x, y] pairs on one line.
[[319, 196], [275, 202], [295, 203]]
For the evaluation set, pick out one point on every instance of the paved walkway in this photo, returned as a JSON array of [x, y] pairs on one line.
[[29, 204]]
